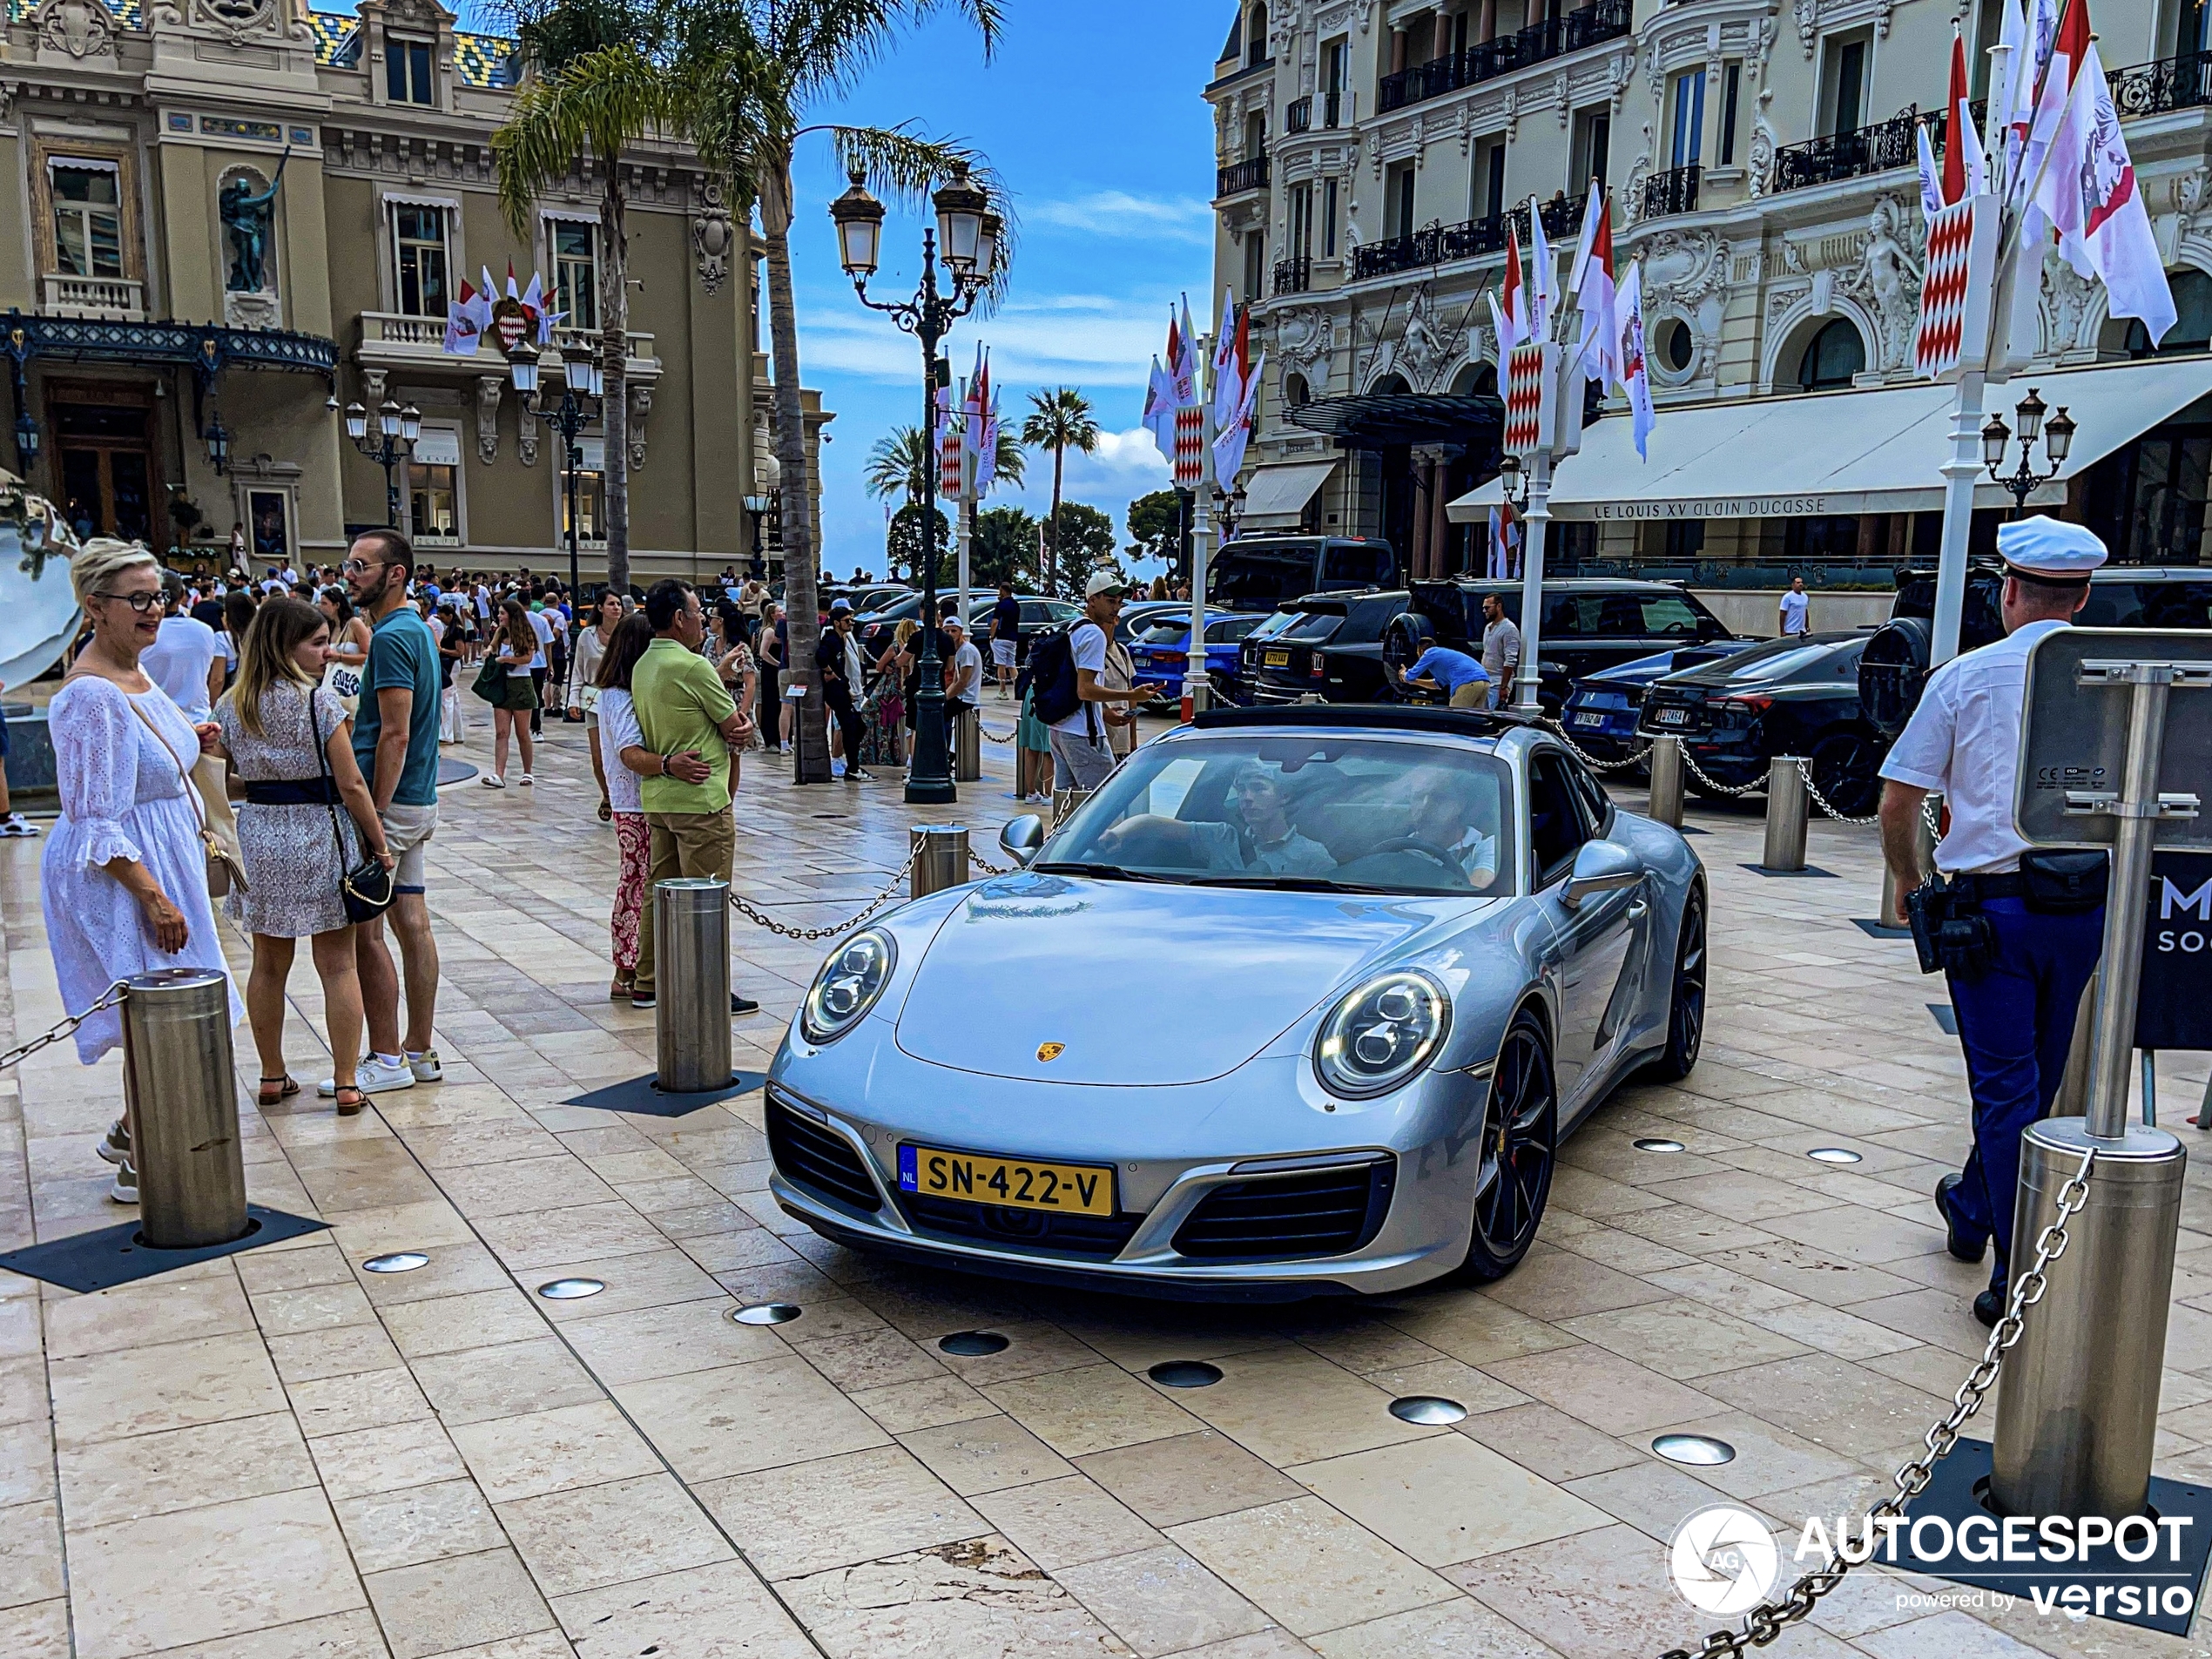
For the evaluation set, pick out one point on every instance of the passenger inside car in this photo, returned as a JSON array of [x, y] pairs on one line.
[[1261, 840]]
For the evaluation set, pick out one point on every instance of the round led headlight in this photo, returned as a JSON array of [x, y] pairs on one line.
[[847, 986], [1381, 1032]]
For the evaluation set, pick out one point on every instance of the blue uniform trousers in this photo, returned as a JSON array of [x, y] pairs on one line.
[[2016, 1024]]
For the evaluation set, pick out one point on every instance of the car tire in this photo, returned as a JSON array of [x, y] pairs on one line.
[[1844, 766], [1520, 1146], [1685, 998]]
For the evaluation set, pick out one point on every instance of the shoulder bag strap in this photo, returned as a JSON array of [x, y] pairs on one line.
[[322, 763], [192, 790]]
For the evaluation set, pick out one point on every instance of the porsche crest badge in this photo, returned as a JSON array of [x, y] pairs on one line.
[[1051, 1051]]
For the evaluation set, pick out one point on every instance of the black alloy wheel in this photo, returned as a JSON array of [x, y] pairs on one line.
[[1844, 770], [1520, 1139], [1686, 1006]]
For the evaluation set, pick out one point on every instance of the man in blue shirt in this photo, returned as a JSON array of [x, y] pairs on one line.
[[1454, 672], [395, 740]]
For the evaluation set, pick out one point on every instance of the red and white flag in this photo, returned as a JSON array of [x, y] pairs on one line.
[[1636, 378], [949, 445], [986, 427], [1931, 202], [1236, 432], [1505, 541], [1591, 281], [1159, 409], [1189, 458], [1510, 318], [1542, 288], [466, 321], [1963, 175], [1233, 360]]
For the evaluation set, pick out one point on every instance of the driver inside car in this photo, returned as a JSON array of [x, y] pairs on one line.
[[1263, 844], [1449, 810]]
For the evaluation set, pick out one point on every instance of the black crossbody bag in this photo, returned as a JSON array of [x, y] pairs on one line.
[[2063, 881], [367, 887]]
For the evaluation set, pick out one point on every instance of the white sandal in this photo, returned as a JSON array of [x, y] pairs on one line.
[[490, 782]]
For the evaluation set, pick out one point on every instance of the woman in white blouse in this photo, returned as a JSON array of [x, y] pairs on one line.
[[615, 740], [124, 879]]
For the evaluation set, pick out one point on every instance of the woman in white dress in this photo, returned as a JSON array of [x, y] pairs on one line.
[[123, 880]]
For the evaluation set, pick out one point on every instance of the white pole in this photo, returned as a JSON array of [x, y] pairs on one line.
[[1532, 577], [1959, 474], [1195, 683], [966, 533]]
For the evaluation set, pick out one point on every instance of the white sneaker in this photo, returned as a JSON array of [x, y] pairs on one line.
[[125, 1190], [374, 1076], [425, 1066], [115, 1145]]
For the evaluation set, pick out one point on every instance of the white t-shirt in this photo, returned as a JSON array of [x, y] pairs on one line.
[[1964, 740], [178, 662], [1088, 643], [967, 671], [544, 631], [1795, 608], [618, 731]]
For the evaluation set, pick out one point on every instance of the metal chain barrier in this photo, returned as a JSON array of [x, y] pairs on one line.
[[1586, 757], [1698, 772], [1767, 1621], [1825, 805], [1931, 817], [113, 994], [985, 865], [994, 737], [752, 915]]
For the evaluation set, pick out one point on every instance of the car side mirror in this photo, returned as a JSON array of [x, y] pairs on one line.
[[1601, 866], [1022, 837]]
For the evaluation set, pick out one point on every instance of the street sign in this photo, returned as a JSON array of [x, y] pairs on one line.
[[2074, 730], [2174, 1003]]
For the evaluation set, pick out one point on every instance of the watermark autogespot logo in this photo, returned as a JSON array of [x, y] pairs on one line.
[[1724, 1559]]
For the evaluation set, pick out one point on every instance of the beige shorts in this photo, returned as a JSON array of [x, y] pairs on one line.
[[407, 830]]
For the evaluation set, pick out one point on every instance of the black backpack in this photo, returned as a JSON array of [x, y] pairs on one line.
[[1052, 672]]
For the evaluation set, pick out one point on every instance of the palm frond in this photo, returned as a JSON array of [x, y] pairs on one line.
[[598, 103], [899, 464], [1061, 419]]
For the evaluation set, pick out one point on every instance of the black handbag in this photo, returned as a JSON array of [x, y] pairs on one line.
[[2068, 881], [367, 887]]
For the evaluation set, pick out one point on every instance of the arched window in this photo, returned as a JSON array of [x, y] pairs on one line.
[[1256, 36], [1834, 356], [2192, 329], [1476, 380], [1296, 393]]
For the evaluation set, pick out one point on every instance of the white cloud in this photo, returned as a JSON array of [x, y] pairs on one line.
[[1116, 213], [1080, 339]]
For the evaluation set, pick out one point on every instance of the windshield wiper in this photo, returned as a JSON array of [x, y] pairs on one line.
[[1286, 884], [1102, 871]]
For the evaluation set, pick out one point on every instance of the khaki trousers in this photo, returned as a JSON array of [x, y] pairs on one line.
[[683, 844]]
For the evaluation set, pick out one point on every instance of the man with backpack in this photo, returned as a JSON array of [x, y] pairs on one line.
[[1066, 668]]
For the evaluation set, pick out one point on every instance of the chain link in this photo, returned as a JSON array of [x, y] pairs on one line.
[[1931, 817], [985, 865], [1712, 787], [994, 737], [113, 994], [1767, 1621], [1586, 757], [753, 915], [1825, 805]]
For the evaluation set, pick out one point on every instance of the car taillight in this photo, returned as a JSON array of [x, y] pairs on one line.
[[1313, 664], [1748, 703]]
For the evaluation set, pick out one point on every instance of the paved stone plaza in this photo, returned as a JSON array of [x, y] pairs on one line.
[[275, 1456]]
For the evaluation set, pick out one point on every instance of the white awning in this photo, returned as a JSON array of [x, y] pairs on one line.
[[1275, 497], [1880, 450]]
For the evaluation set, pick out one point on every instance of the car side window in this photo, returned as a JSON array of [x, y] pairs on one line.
[[1555, 828], [1227, 633], [1597, 805]]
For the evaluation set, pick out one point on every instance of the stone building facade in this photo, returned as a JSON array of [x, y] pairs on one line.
[[1761, 158], [235, 216]]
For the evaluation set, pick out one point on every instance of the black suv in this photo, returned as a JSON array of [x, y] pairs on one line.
[[1895, 666], [1326, 644], [1787, 697]]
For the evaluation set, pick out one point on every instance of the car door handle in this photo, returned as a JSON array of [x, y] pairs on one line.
[[1640, 909]]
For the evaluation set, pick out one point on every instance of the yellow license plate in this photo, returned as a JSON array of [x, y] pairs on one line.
[[1278, 659], [1015, 1184]]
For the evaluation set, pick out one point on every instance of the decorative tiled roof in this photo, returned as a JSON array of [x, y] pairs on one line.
[[337, 34], [480, 60]]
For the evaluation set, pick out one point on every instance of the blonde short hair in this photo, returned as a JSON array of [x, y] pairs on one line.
[[94, 567]]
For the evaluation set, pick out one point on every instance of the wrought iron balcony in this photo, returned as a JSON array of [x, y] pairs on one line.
[[1673, 191], [1855, 154], [1473, 238], [1552, 37], [1293, 275], [1241, 176], [1298, 117], [2182, 82]]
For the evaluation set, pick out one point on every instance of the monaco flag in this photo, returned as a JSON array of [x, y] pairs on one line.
[[1963, 172], [1591, 282], [1159, 410], [1511, 321], [1636, 378], [1540, 293]]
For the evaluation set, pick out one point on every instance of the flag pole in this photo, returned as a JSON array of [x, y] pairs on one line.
[[1960, 474], [1195, 683]]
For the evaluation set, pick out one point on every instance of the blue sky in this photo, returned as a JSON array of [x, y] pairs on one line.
[[1096, 122]]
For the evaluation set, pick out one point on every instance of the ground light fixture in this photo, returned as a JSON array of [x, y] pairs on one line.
[[1185, 1373], [1699, 1451], [400, 1261], [765, 1313], [1834, 1154], [1427, 1409], [972, 1345], [571, 1290], [1651, 1144], [2030, 417]]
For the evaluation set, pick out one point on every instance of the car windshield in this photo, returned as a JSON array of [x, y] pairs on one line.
[[1309, 627], [1776, 665], [1322, 812], [1165, 633]]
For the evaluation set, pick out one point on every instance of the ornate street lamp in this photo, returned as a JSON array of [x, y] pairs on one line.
[[396, 430], [2057, 433], [1512, 484], [970, 238], [579, 380], [219, 443]]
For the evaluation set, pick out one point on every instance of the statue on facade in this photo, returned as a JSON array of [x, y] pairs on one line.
[[246, 219]]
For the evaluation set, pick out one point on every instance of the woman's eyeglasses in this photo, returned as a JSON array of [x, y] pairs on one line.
[[141, 602]]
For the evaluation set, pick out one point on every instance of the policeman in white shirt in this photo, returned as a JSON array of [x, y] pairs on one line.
[[2016, 930]]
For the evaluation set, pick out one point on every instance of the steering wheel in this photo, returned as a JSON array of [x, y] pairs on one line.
[[1414, 844]]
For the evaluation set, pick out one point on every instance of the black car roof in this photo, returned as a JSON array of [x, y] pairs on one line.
[[1409, 716]]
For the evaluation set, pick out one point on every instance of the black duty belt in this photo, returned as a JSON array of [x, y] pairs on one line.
[[293, 791], [1979, 889]]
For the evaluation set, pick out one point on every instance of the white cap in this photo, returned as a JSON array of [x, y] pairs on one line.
[[1104, 581], [2050, 547]]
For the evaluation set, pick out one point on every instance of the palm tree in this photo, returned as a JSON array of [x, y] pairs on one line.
[[595, 87], [899, 463], [765, 64], [1060, 420]]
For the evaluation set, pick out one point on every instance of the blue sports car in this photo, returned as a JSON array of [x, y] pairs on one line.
[[1601, 712], [1162, 653]]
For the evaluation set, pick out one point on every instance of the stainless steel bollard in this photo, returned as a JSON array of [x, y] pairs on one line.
[[1065, 801], [1666, 782], [940, 858], [1786, 804], [967, 746], [691, 975], [2078, 1409], [182, 1096]]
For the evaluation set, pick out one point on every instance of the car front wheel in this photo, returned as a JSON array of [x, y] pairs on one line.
[[1519, 1142]]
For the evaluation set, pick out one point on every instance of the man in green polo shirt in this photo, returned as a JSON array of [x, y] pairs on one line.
[[688, 720]]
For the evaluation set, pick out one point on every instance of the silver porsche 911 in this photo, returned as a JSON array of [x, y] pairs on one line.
[[1299, 1003]]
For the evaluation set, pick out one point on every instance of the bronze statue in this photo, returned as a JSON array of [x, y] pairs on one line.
[[246, 217]]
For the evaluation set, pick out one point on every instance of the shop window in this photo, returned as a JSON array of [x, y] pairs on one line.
[[576, 273], [1832, 540], [2192, 329], [434, 487], [406, 72], [88, 218], [419, 251], [1831, 357]]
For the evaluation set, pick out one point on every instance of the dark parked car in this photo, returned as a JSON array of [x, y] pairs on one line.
[[1601, 713], [1038, 615], [1261, 572], [1161, 654], [1328, 645], [1895, 663], [1782, 697]]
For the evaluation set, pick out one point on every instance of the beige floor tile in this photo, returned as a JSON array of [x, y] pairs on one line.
[[636, 1279], [1447, 1499], [143, 1315], [1547, 1441], [1274, 1643], [385, 1460], [1188, 1478], [313, 1307], [1159, 1601], [1742, 1197], [980, 1596], [1945, 1636], [539, 1644], [36, 1630], [541, 1451], [1846, 1335], [1557, 1285], [1594, 1596], [31, 1553], [564, 1535], [1868, 1237], [1090, 1409], [1063, 1522], [669, 1339], [338, 1635], [838, 1512], [922, 1404], [711, 1424], [417, 1524], [721, 1612], [873, 1358], [141, 1390], [1309, 1567], [1292, 1407], [461, 1601], [367, 1399], [1767, 1459], [1651, 1496], [342, 1352], [1605, 1391], [1468, 1325], [1682, 1338], [202, 1575], [479, 1384], [547, 1238], [985, 1454], [152, 1474], [1843, 1408], [454, 1269], [1453, 1379], [524, 1185], [1460, 1629], [26, 1462], [449, 1324]]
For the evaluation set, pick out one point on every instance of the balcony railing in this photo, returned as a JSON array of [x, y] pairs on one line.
[[1298, 117], [112, 298], [1855, 154], [1472, 239], [1333, 105], [1552, 37], [1673, 191], [2183, 83], [391, 336], [1241, 176], [1293, 275]]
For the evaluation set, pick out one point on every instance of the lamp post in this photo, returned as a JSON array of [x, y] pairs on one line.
[[580, 378], [217, 439], [397, 428], [768, 475], [2057, 434], [967, 236]]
